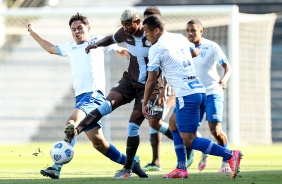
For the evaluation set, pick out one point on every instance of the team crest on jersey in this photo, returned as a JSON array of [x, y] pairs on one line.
[[148, 43]]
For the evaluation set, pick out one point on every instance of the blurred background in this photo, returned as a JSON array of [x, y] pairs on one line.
[[36, 95]]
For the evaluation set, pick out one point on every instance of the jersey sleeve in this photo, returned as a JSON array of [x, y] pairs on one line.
[[119, 36], [154, 59], [62, 49], [111, 48], [218, 54]]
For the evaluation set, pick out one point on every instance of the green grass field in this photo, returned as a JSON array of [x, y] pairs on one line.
[[22, 163]]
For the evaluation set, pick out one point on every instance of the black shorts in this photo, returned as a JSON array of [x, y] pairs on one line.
[[130, 90]]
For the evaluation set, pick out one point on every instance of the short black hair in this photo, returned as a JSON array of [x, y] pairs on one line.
[[151, 10], [80, 17], [155, 21], [195, 21]]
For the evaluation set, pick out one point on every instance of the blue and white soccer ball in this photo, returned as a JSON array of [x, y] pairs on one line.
[[61, 152]]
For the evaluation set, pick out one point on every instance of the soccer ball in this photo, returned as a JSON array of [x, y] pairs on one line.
[[61, 152]]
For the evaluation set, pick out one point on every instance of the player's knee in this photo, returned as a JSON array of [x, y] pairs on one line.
[[99, 146]]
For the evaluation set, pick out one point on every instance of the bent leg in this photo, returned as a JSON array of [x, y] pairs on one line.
[[96, 136]]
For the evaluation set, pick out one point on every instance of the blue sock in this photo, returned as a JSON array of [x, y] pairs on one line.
[[73, 141], [225, 146], [208, 147], [105, 108], [57, 166], [180, 150], [115, 155]]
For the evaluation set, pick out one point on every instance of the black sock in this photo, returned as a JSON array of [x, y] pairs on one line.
[[169, 134], [92, 118], [131, 149], [188, 152]]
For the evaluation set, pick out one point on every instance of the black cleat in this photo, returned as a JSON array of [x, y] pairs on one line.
[[51, 172], [137, 169]]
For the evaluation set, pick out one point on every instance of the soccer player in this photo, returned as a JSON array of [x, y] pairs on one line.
[[169, 97], [170, 52], [88, 83], [130, 87], [156, 136], [210, 56]]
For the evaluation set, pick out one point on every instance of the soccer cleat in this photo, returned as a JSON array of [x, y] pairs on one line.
[[190, 159], [234, 163], [51, 172], [177, 173], [69, 133], [203, 162], [123, 174], [137, 169], [152, 167], [224, 168]]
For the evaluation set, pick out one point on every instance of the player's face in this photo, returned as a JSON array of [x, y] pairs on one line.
[[130, 27], [151, 34], [80, 31], [194, 33]]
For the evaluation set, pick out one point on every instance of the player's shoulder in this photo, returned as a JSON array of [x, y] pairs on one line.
[[208, 42], [67, 45], [96, 38]]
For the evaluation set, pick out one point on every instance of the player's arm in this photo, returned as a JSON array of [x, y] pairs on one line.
[[163, 95], [46, 45], [149, 88], [227, 72], [123, 52], [194, 53], [108, 40], [193, 50]]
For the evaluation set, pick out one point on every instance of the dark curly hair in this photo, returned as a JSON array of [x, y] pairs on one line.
[[80, 17], [151, 10]]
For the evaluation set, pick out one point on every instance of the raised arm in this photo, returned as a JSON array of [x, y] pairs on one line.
[[108, 40], [46, 45]]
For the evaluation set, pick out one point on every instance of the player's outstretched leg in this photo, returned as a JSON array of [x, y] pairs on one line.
[[52, 172]]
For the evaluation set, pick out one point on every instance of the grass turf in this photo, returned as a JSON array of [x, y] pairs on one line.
[[22, 163]]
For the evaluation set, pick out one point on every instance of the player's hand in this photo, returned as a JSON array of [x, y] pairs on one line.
[[145, 111], [29, 27], [92, 46], [162, 98], [223, 84]]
